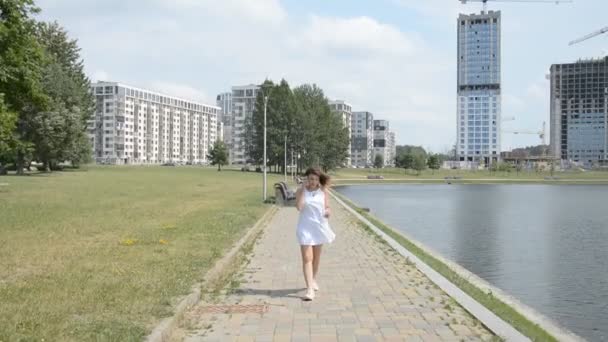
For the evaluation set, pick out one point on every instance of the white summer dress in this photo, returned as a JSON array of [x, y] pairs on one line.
[[313, 227]]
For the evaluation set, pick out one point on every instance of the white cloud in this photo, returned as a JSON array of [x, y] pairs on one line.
[[359, 35], [444, 11], [259, 11]]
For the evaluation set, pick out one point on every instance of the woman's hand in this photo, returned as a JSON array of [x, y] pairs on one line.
[[327, 212]]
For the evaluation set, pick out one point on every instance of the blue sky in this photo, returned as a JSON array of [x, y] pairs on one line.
[[395, 58]]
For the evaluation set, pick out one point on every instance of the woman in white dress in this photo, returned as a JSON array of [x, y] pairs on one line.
[[312, 200]]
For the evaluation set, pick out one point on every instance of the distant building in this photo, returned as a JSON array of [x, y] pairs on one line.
[[243, 105], [138, 126], [344, 110], [382, 142], [579, 111], [479, 87], [362, 142]]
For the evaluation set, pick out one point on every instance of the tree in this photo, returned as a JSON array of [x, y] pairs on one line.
[[59, 134], [320, 132], [304, 117], [8, 122], [419, 163], [378, 161], [218, 154], [410, 149], [279, 117], [22, 59], [434, 162], [405, 161]]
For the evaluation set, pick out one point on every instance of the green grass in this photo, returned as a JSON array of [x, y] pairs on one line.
[[498, 307], [348, 175], [81, 254]]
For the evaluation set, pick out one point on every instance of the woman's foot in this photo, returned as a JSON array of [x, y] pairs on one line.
[[310, 294], [315, 286]]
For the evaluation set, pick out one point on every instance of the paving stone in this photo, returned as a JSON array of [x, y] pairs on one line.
[[368, 293]]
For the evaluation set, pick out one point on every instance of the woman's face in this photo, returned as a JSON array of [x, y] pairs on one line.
[[313, 181]]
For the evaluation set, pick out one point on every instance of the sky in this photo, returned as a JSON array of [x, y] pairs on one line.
[[394, 58]]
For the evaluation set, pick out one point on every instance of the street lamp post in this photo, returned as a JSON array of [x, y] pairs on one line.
[[298, 163], [265, 162], [285, 167]]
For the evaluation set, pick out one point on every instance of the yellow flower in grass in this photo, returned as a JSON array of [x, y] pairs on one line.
[[128, 242], [163, 242], [169, 226]]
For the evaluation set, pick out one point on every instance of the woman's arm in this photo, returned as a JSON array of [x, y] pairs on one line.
[[327, 209], [300, 198]]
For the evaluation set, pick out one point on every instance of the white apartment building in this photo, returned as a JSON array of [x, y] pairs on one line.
[[382, 142], [137, 126], [344, 110], [224, 101], [362, 141], [243, 105]]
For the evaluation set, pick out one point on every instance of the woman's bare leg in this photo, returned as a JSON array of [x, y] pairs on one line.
[[307, 264], [316, 259]]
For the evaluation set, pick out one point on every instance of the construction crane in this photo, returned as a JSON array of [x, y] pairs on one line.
[[590, 35], [485, 2], [541, 134]]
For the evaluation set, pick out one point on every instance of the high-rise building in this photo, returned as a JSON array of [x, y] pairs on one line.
[[137, 126], [479, 87], [382, 141], [579, 111], [224, 101], [344, 110], [362, 141], [243, 105]]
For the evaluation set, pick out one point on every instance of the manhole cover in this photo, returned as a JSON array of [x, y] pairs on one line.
[[231, 309]]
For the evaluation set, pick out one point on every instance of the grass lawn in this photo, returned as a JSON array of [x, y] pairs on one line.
[[357, 175], [104, 253]]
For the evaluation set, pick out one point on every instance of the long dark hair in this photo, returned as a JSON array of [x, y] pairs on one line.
[[323, 178]]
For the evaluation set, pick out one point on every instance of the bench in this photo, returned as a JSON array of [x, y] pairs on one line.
[[283, 195]]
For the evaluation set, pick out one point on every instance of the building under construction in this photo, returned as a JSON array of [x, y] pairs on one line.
[[579, 111]]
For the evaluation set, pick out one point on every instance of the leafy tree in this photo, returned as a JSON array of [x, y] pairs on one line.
[[405, 161], [218, 155], [378, 161], [22, 59], [59, 134], [42, 81], [8, 122], [409, 149], [419, 163], [303, 116], [280, 123], [433, 162]]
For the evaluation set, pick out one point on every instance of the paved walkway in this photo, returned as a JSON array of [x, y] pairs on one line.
[[368, 293]]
